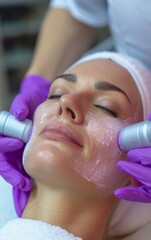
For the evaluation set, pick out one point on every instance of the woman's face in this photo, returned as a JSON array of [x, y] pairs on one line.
[[74, 140]]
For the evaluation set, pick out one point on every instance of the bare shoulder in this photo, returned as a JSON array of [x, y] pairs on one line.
[[130, 221], [144, 233]]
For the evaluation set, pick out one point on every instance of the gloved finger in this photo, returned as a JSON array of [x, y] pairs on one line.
[[149, 116], [19, 107], [20, 200], [16, 179], [141, 173], [13, 176], [140, 155], [134, 194], [27, 185], [9, 144]]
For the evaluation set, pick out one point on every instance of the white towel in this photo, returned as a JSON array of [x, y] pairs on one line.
[[27, 229]]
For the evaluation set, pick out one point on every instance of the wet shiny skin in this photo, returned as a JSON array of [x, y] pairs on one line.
[[64, 164]]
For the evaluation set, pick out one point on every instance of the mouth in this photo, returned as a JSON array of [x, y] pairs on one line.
[[63, 133]]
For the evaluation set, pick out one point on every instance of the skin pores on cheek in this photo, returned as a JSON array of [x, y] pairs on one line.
[[100, 160]]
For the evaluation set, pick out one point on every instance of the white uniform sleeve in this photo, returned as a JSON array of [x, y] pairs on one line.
[[92, 13]]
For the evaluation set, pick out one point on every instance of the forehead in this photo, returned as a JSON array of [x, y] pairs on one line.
[[102, 70], [106, 70]]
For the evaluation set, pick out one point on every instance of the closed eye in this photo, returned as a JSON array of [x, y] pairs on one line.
[[111, 112], [54, 96]]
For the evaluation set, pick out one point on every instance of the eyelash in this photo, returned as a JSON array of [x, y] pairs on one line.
[[114, 114], [54, 96], [98, 106]]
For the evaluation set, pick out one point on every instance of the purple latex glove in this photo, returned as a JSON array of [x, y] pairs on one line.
[[12, 171], [34, 90], [140, 169]]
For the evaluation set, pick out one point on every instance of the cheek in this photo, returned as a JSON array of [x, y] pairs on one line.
[[102, 154], [42, 115], [29, 152], [41, 156]]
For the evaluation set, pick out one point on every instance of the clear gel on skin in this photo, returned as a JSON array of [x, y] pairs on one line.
[[97, 161], [102, 170]]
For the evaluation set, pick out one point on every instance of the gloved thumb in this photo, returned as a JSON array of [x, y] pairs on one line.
[[19, 107], [10, 144], [141, 173], [134, 194]]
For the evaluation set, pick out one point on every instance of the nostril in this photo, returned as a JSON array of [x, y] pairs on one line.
[[72, 113]]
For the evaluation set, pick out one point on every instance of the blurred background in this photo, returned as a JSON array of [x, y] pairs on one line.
[[20, 22]]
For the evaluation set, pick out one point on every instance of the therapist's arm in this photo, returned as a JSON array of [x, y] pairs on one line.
[[62, 40]]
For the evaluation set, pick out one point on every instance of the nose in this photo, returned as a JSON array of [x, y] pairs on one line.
[[71, 108]]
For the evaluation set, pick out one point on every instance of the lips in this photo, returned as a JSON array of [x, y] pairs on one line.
[[61, 132]]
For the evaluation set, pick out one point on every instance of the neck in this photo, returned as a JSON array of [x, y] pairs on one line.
[[85, 218]]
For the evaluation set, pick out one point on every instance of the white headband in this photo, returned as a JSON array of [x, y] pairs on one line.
[[139, 73]]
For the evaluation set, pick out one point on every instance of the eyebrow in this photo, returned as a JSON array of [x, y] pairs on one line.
[[68, 77], [106, 86], [99, 85]]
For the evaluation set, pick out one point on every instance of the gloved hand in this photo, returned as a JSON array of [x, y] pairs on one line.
[[12, 171], [34, 90], [140, 169]]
